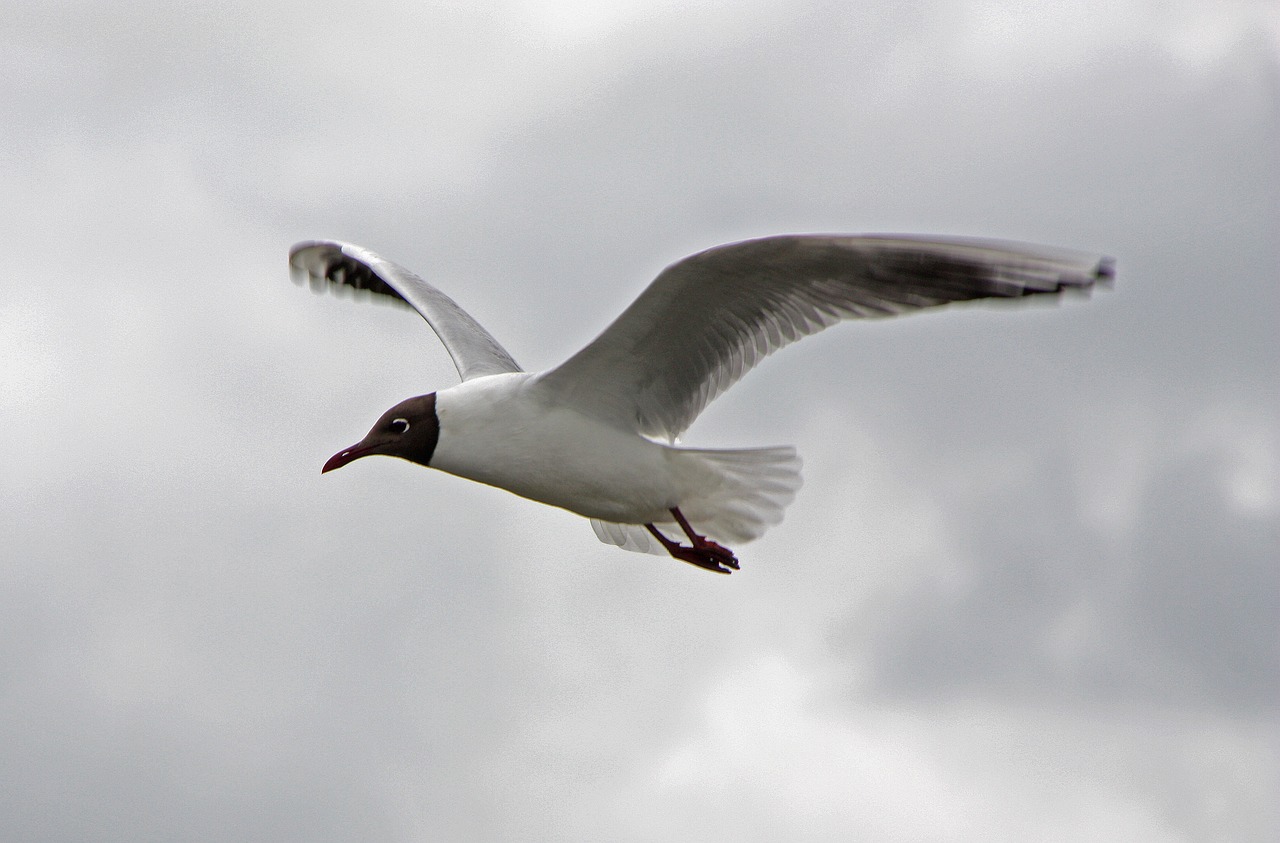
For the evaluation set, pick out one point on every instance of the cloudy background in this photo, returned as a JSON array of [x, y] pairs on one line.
[[1029, 591]]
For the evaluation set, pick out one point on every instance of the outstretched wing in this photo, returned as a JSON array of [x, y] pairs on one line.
[[330, 264], [706, 320]]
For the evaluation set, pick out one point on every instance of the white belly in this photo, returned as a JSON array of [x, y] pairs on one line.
[[492, 432]]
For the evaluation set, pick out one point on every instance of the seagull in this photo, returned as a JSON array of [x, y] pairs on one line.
[[597, 434]]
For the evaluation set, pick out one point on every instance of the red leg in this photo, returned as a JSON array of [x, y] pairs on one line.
[[704, 553]]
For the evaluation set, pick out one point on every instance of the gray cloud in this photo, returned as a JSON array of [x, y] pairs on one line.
[[1024, 592]]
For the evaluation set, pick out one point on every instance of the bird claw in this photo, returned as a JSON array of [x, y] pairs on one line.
[[704, 553], [705, 558], [717, 552]]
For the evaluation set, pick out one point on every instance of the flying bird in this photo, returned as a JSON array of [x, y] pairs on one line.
[[596, 434]]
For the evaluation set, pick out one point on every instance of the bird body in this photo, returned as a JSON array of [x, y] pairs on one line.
[[508, 431], [595, 435], [502, 430]]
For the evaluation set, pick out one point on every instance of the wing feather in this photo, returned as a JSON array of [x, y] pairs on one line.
[[707, 319], [343, 267]]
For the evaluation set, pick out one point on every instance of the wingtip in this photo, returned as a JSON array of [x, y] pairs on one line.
[[305, 266], [324, 266], [1083, 281], [1105, 273]]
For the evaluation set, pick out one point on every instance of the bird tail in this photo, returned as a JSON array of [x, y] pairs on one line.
[[741, 494]]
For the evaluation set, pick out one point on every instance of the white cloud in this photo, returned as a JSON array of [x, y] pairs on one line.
[[767, 758], [32, 371], [997, 36]]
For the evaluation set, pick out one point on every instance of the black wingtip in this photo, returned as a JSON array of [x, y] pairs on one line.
[[1105, 274], [325, 266]]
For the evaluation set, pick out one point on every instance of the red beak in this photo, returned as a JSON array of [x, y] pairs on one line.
[[341, 458]]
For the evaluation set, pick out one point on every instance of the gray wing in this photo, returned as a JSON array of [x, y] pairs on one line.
[[706, 320], [330, 264]]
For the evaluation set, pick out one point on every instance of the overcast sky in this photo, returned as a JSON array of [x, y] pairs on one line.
[[1029, 591]]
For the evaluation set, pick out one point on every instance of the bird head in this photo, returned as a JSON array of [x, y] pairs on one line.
[[408, 430]]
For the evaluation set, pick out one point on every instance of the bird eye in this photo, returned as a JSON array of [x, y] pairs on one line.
[[399, 425]]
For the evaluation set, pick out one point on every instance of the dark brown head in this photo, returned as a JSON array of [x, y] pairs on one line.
[[408, 430]]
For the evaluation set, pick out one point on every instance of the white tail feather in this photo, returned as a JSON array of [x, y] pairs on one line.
[[741, 494], [633, 537]]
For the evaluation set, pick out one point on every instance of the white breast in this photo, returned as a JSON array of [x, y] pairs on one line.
[[494, 432]]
